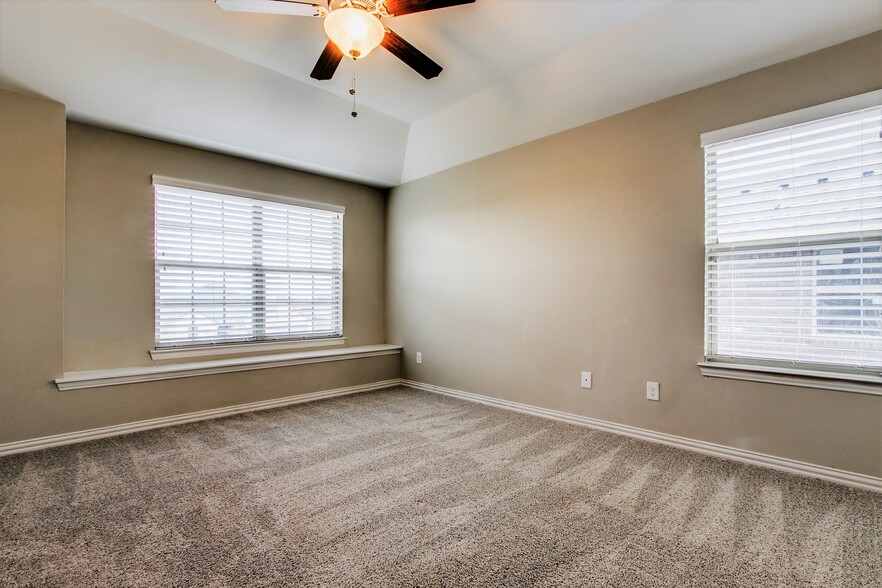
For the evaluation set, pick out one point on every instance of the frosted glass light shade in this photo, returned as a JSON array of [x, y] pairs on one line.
[[354, 31]]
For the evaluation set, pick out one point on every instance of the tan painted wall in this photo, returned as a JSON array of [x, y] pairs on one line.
[[584, 251], [31, 260], [91, 240]]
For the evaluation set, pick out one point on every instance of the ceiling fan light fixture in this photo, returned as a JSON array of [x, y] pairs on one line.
[[354, 31]]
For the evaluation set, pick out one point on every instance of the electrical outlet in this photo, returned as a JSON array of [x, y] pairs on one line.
[[652, 391], [586, 380], [419, 357]]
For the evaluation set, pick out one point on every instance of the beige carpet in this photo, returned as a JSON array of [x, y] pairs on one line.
[[406, 488]]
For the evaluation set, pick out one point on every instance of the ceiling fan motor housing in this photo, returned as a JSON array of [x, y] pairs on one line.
[[373, 6]]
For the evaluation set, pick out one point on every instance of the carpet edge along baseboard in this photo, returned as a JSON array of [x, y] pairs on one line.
[[783, 464], [191, 417], [853, 479]]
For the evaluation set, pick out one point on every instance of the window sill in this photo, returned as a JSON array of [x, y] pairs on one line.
[[116, 377], [859, 384], [233, 348]]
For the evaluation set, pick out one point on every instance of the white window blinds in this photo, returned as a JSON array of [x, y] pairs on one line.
[[237, 269], [793, 268]]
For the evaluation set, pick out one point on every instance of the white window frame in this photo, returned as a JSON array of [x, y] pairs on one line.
[[207, 349], [841, 379]]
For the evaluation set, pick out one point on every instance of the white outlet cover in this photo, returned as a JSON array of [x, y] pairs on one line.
[[652, 391], [419, 357], [586, 380]]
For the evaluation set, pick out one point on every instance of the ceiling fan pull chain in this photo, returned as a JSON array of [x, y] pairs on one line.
[[352, 90]]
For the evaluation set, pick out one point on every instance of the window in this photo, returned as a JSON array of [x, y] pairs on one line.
[[239, 268], [793, 228]]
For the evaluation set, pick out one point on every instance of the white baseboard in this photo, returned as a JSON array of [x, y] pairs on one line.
[[791, 466], [125, 428]]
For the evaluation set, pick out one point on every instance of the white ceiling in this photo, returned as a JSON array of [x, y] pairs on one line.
[[515, 70]]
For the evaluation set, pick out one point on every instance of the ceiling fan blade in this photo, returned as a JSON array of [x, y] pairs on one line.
[[410, 55], [400, 7], [327, 63], [291, 7]]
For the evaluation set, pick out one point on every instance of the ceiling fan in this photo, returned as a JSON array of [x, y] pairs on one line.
[[354, 28]]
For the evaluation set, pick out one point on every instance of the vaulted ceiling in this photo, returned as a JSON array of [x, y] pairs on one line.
[[514, 71]]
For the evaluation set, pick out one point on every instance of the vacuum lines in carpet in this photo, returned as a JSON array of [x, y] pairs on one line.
[[400, 488]]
